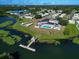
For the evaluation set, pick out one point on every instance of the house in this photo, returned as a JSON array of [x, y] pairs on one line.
[[55, 15], [26, 15], [77, 24], [74, 18], [26, 24], [71, 21], [43, 14], [59, 11], [62, 15]]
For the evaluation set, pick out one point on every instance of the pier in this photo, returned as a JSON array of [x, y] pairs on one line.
[[28, 46]]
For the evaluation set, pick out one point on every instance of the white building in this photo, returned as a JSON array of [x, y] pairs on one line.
[[77, 24], [62, 15], [71, 21], [29, 16], [74, 19], [59, 11], [26, 24], [43, 14], [55, 15], [75, 16]]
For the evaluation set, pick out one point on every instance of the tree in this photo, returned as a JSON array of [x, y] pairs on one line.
[[66, 32], [38, 16], [62, 22]]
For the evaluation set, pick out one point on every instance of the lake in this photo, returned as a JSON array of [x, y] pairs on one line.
[[67, 50], [6, 18]]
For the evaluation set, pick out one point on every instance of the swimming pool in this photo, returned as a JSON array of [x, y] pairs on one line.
[[47, 26]]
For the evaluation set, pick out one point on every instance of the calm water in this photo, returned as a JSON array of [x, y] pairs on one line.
[[5, 18], [45, 51], [67, 50]]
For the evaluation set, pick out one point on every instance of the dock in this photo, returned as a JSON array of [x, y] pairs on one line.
[[28, 46], [32, 40]]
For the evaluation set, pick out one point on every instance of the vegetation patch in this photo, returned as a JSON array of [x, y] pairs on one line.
[[8, 38], [76, 40], [71, 30], [5, 24]]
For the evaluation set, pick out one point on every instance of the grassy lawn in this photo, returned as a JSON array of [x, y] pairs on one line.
[[21, 28], [76, 40], [8, 40], [5, 23], [71, 30], [11, 40]]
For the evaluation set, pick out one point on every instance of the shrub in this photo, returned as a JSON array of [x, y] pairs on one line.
[[38, 16], [76, 40]]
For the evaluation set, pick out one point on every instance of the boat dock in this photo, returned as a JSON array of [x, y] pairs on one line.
[[32, 40], [28, 46]]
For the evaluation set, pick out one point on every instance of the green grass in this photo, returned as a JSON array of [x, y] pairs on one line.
[[76, 40], [5, 24], [72, 30], [16, 38], [23, 29], [3, 33], [6, 38], [9, 39]]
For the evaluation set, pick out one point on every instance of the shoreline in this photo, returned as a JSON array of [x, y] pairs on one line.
[[59, 41]]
